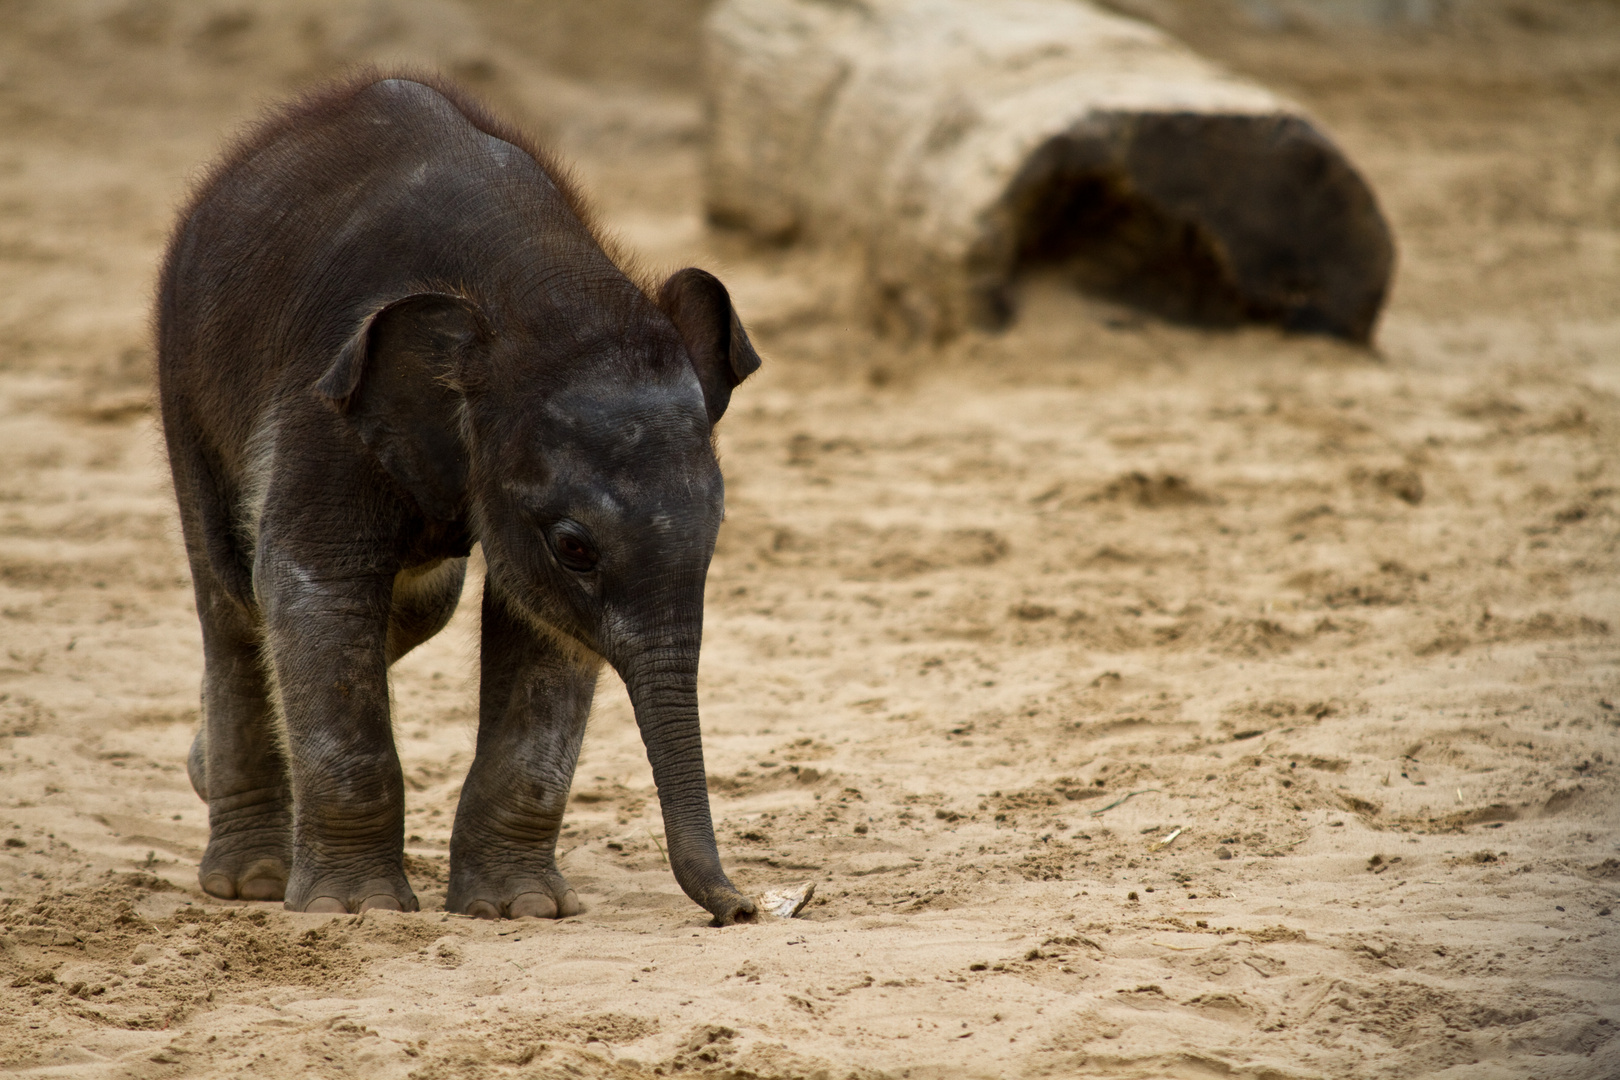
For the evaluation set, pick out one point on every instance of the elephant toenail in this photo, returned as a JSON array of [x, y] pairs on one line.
[[326, 905], [262, 889], [532, 905], [219, 885], [380, 902], [483, 909]]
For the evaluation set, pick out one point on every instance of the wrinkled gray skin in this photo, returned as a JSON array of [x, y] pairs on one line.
[[386, 334]]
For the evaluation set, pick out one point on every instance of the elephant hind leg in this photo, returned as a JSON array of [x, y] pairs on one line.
[[197, 764], [237, 762], [425, 598]]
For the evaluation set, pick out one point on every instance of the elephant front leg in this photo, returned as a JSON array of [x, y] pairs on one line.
[[534, 700], [328, 648]]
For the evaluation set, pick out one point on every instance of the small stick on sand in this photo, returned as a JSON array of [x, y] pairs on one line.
[[1122, 799]]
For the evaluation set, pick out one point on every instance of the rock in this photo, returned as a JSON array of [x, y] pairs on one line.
[[955, 141]]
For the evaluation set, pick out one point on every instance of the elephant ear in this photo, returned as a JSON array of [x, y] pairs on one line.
[[396, 382], [721, 353]]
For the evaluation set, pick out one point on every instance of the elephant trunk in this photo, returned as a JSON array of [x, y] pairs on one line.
[[662, 681]]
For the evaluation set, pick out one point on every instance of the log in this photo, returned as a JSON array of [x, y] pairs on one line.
[[956, 142]]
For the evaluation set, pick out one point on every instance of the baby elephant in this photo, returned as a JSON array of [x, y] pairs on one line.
[[387, 332]]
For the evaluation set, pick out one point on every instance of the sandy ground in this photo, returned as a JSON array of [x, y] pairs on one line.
[[1342, 625]]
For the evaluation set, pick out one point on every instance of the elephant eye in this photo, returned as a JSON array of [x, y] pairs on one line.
[[573, 550]]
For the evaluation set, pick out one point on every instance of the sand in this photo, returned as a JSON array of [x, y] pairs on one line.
[[1143, 700]]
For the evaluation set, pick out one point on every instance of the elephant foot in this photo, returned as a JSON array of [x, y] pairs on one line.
[[249, 852], [337, 893], [262, 877], [547, 896]]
